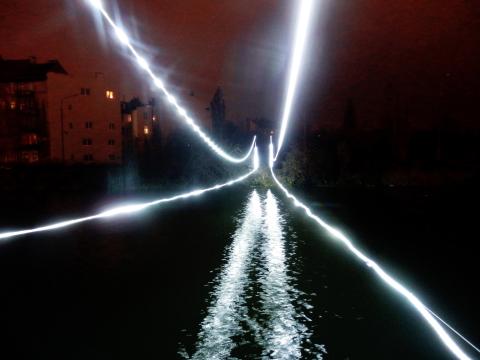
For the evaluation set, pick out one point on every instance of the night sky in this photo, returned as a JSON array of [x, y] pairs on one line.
[[417, 60]]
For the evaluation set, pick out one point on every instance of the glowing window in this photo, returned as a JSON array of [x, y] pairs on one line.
[[109, 94], [13, 105], [146, 130], [29, 139]]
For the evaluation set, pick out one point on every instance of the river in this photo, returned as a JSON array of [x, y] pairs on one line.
[[241, 274]]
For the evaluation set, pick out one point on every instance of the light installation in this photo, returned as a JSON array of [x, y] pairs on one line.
[[303, 19], [182, 112], [303, 23], [123, 210], [424, 311]]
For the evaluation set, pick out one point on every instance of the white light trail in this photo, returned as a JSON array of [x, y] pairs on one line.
[[424, 311], [304, 15], [121, 210], [142, 62], [256, 159], [303, 23]]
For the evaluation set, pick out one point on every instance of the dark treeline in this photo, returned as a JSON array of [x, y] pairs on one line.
[[381, 158]]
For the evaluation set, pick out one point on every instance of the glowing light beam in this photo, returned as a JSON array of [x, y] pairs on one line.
[[304, 16], [121, 210], [303, 24], [424, 311], [142, 62]]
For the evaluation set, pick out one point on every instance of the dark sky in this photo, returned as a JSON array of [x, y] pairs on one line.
[[417, 60]]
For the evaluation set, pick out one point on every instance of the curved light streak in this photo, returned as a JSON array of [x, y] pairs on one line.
[[228, 308], [424, 311], [122, 210], [142, 62], [303, 24]]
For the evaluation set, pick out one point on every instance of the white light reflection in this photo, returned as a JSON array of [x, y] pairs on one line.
[[121, 210], [227, 310], [123, 37], [303, 23], [284, 333], [256, 159], [425, 312]]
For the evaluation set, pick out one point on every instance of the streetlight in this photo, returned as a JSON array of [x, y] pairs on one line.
[[61, 123]]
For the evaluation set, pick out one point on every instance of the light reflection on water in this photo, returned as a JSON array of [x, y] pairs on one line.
[[283, 333], [229, 305], [255, 310]]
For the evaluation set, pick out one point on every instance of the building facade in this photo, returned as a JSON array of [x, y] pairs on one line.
[[47, 115], [24, 133], [142, 133], [84, 117]]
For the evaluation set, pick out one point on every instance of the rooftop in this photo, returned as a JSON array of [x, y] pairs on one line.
[[27, 70]]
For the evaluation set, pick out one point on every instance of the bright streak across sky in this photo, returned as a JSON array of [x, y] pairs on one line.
[[123, 38], [121, 210], [303, 24]]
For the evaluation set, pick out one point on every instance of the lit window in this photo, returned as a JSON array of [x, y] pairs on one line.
[[146, 130], [111, 142], [29, 156], [13, 105], [154, 118], [109, 94], [129, 118], [29, 139]]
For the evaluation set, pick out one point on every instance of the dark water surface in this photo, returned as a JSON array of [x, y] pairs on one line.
[[241, 274]]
